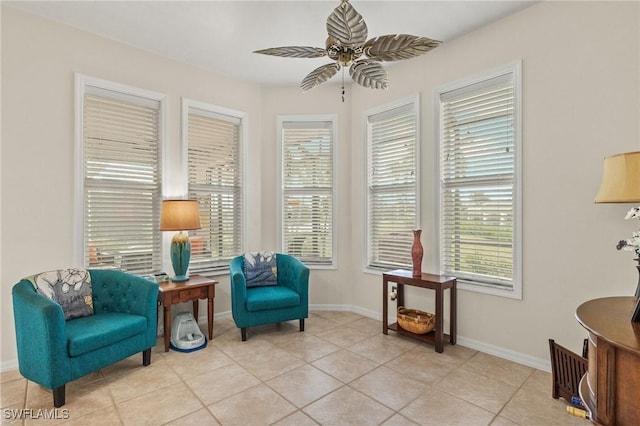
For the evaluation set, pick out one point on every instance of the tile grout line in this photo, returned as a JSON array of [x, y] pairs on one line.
[[514, 395], [227, 348]]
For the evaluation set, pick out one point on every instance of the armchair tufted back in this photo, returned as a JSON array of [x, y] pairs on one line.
[[289, 270], [113, 291]]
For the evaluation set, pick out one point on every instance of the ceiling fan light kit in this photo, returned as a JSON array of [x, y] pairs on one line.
[[348, 46]]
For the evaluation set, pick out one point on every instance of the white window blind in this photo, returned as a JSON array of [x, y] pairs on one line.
[[478, 215], [215, 180], [392, 184], [307, 177], [121, 181]]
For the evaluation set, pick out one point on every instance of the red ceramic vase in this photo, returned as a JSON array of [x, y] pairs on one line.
[[416, 253]]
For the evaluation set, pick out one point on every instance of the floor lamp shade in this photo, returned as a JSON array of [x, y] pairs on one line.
[[620, 179], [180, 215]]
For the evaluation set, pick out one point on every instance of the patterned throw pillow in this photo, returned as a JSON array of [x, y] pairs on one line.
[[70, 288], [260, 268]]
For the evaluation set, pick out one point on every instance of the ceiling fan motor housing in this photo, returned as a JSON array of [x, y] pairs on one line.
[[344, 55]]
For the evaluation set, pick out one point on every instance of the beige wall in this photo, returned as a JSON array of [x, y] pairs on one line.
[[39, 59], [581, 78], [327, 287], [581, 87]]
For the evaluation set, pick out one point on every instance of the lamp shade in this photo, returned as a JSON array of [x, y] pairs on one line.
[[620, 179], [179, 215]]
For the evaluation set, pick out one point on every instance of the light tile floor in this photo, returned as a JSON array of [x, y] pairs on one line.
[[341, 371]]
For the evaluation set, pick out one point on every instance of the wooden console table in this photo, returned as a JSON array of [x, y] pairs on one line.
[[611, 386], [438, 283], [195, 288]]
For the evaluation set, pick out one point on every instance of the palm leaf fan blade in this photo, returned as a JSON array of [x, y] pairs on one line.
[[294, 52], [319, 76], [346, 25], [370, 74], [397, 47]]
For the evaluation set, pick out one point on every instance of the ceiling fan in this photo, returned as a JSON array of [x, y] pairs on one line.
[[348, 46]]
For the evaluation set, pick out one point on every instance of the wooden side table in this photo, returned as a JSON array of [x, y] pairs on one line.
[[194, 289], [438, 283], [610, 388]]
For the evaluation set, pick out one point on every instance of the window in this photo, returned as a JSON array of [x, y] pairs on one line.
[[307, 179], [214, 139], [392, 184], [479, 144], [119, 176]]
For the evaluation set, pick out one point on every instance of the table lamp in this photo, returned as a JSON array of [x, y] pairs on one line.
[[621, 184], [620, 179], [180, 215]]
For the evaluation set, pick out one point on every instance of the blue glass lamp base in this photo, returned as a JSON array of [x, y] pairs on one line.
[[180, 256], [180, 278]]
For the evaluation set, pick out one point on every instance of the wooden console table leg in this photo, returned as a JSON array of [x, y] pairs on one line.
[[195, 309], [439, 320], [210, 317], [453, 299], [385, 307]]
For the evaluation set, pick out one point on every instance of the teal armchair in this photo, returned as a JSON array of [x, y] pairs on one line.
[[53, 352], [286, 301]]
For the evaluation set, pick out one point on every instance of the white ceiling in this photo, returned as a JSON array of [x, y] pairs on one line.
[[221, 35]]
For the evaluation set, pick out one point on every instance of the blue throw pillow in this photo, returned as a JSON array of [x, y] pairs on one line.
[[70, 288], [260, 268]]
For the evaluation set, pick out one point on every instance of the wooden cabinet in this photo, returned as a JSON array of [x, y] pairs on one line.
[[611, 387]]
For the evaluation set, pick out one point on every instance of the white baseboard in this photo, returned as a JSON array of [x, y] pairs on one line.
[[221, 315], [508, 354], [366, 313], [341, 308], [500, 352], [8, 365]]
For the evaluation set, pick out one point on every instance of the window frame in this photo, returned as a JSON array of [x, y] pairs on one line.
[[333, 119], [243, 118], [414, 101], [83, 83], [513, 69]]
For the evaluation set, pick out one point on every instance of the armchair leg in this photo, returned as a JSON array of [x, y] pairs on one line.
[[58, 396], [301, 324], [243, 332], [146, 357]]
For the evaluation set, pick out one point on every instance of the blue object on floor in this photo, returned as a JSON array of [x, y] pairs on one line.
[[185, 333], [203, 345]]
